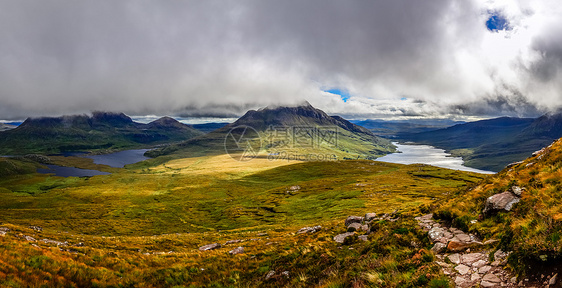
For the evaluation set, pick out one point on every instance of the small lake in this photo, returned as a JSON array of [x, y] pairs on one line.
[[119, 159], [425, 154]]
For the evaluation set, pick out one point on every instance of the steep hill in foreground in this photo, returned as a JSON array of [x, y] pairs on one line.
[[532, 228], [494, 143], [81, 132], [285, 132]]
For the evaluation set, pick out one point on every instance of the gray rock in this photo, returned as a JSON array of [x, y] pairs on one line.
[[269, 274], [553, 279], [491, 278], [285, 273], [365, 228], [455, 258], [487, 284], [354, 227], [499, 255], [210, 247], [309, 229], [340, 238], [479, 263], [517, 190], [36, 228], [474, 277], [470, 258], [353, 219], [370, 216], [463, 238], [484, 269], [363, 238], [438, 248], [232, 241], [238, 250], [501, 201], [29, 238], [462, 269], [460, 281], [435, 234]]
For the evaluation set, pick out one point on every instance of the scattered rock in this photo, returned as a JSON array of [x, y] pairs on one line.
[[309, 229], [285, 273], [455, 258], [553, 279], [210, 247], [501, 201], [354, 227], [58, 243], [487, 284], [261, 234], [233, 241], [78, 244], [238, 250], [363, 238], [370, 216], [269, 274], [36, 228], [353, 219], [438, 248], [474, 277], [462, 269], [435, 234], [460, 281], [479, 264], [491, 241], [491, 278], [499, 255], [468, 259], [29, 238], [517, 190], [340, 238]]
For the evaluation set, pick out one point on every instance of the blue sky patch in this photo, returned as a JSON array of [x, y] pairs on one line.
[[343, 93], [497, 22]]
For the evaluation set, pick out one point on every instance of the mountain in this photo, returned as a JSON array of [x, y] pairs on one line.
[[395, 128], [300, 130], [492, 144], [101, 130], [531, 226], [4, 127], [208, 127]]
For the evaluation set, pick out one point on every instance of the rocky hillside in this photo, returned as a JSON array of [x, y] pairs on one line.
[[521, 207], [101, 130]]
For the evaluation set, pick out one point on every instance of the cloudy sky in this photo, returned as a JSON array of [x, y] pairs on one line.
[[361, 59]]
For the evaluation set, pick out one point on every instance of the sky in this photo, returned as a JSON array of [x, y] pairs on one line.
[[359, 59]]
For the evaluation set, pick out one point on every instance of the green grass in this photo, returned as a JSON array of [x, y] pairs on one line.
[[181, 204]]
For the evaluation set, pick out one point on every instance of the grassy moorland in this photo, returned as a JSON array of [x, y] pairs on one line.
[[142, 225], [533, 228]]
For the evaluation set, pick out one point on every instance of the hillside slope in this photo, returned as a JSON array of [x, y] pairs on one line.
[[81, 132], [288, 131], [532, 229]]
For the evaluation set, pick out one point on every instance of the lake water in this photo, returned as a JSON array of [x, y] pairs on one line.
[[425, 154], [117, 159], [70, 171]]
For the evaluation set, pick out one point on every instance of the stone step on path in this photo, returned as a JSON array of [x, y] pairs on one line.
[[468, 268]]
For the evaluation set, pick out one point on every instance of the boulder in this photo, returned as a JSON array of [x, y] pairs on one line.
[[553, 279], [340, 238], [353, 219], [456, 246], [435, 234], [517, 190], [370, 216], [491, 278], [235, 251], [309, 229], [501, 201], [438, 248], [462, 269], [363, 238], [354, 227], [455, 258], [210, 247]]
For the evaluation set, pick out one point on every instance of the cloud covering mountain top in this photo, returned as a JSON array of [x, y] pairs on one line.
[[400, 58]]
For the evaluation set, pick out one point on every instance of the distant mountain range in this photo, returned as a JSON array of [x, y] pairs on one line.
[[395, 128], [494, 143], [279, 127], [101, 130]]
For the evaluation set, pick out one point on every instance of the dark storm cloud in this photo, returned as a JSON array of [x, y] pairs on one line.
[[224, 57]]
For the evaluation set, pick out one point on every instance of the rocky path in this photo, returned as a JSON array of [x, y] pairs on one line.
[[465, 260]]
